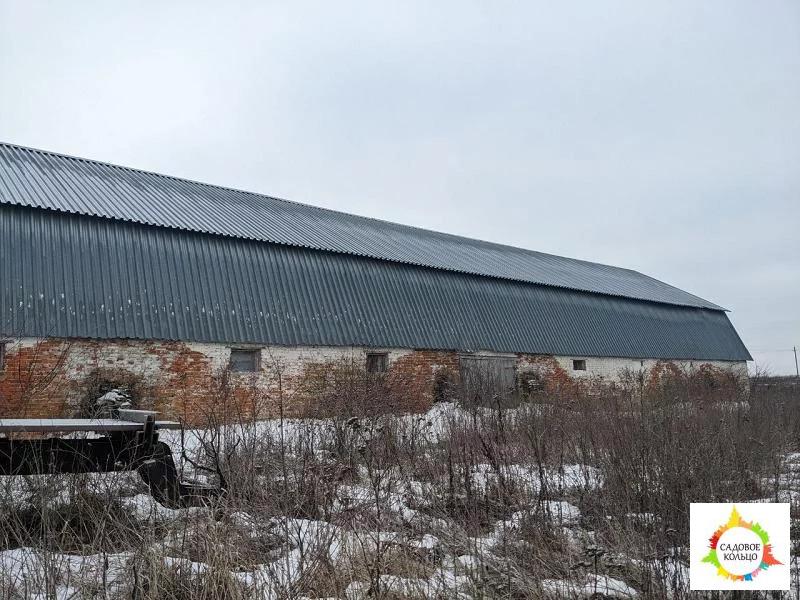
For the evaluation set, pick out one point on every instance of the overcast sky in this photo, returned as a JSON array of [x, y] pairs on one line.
[[658, 136]]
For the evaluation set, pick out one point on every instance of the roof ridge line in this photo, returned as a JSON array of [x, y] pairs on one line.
[[389, 230], [319, 208]]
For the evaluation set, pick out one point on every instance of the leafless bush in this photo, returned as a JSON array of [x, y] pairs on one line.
[[100, 381], [509, 497]]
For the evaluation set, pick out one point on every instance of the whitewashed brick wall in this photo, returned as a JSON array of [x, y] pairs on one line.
[[609, 368]]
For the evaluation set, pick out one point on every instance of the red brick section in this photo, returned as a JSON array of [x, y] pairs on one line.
[[419, 370], [60, 378], [705, 383], [550, 376], [662, 371], [344, 387], [33, 379]]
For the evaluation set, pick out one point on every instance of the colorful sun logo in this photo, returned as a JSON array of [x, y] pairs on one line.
[[740, 550]]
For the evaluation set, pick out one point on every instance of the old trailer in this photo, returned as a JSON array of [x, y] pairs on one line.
[[128, 441]]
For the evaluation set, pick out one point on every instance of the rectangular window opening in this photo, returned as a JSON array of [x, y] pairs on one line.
[[244, 360], [579, 365], [2, 355], [377, 362]]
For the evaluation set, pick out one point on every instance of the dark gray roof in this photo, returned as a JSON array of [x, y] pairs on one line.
[[79, 276], [42, 179]]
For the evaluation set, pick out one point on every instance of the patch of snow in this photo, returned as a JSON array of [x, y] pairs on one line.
[[428, 542], [27, 571], [560, 588], [563, 512], [783, 481], [310, 537], [441, 582], [397, 504], [596, 585], [580, 477], [529, 478], [355, 497], [184, 566], [646, 518], [483, 545], [145, 508], [113, 398], [468, 561], [560, 511], [788, 496], [356, 590], [420, 493], [246, 523]]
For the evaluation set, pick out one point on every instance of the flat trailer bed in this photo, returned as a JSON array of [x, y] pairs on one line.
[[76, 425], [127, 442]]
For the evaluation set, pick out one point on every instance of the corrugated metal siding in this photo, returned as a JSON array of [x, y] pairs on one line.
[[45, 180], [67, 275]]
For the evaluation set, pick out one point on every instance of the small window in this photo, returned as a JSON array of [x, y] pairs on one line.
[[579, 365], [244, 361], [2, 355], [377, 362]]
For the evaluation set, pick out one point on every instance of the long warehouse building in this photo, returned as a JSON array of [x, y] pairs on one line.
[[173, 288]]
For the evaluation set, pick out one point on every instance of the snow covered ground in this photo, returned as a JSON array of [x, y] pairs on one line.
[[376, 526]]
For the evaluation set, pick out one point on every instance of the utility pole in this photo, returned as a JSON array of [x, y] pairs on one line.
[[796, 370]]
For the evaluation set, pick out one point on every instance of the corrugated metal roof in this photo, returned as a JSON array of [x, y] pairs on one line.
[[77, 276], [42, 179]]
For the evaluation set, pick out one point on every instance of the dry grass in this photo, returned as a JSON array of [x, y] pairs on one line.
[[485, 502]]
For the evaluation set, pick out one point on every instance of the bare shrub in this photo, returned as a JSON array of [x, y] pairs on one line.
[[100, 381], [514, 496]]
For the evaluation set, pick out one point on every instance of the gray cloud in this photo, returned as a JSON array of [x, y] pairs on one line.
[[660, 136]]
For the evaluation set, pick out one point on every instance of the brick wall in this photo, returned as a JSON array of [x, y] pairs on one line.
[[609, 368], [191, 381]]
